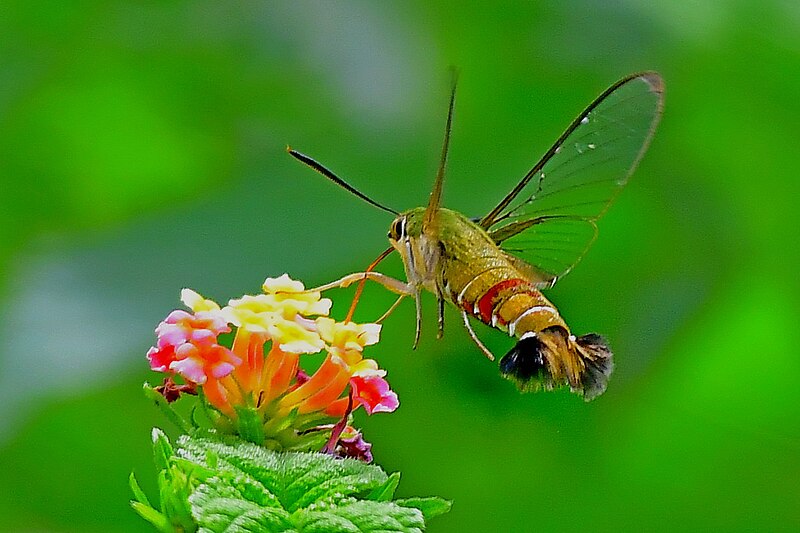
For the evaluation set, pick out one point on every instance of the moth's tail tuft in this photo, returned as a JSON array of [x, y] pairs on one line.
[[526, 364], [598, 362], [550, 358]]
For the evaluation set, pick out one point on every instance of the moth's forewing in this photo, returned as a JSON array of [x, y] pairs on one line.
[[549, 218]]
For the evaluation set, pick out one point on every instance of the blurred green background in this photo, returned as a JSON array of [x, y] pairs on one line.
[[142, 150]]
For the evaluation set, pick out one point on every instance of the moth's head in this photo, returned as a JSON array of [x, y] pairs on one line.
[[406, 225]]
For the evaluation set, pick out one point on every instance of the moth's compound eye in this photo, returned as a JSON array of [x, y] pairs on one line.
[[397, 230]]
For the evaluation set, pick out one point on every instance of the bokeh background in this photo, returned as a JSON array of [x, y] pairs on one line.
[[142, 150]]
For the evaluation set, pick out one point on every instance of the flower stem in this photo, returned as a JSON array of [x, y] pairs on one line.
[[330, 446], [167, 409]]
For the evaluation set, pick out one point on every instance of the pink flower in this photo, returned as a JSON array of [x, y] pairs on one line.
[[349, 443], [161, 358], [199, 363], [181, 327], [187, 345], [354, 446], [373, 392]]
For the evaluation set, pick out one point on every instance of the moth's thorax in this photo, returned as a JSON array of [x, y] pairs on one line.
[[419, 250], [429, 253]]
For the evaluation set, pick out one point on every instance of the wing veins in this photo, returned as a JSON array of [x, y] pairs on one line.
[[489, 219], [544, 175], [517, 227]]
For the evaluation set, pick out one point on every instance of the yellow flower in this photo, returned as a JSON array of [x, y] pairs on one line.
[[285, 293], [343, 337], [260, 314], [253, 313], [197, 303], [366, 367]]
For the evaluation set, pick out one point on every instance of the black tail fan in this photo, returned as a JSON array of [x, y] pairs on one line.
[[549, 359], [599, 364], [527, 366]]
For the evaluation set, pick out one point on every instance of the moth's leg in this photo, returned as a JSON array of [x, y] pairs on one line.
[[440, 301], [417, 301], [414, 281], [391, 309], [395, 285], [475, 338], [392, 284]]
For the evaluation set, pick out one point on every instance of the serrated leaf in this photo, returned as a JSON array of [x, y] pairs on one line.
[[251, 488], [220, 507], [322, 477], [296, 479], [430, 507], [241, 486], [385, 492], [360, 516]]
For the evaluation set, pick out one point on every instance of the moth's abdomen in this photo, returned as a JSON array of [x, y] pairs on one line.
[[501, 298], [547, 355]]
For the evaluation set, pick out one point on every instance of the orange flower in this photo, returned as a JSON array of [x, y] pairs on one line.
[[261, 370]]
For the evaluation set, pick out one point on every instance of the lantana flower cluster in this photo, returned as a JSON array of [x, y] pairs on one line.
[[257, 378]]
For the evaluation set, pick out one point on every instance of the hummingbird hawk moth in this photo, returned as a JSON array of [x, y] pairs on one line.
[[493, 268]]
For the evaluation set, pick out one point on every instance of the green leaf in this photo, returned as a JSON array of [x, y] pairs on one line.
[[276, 425], [175, 487], [225, 505], [160, 521], [311, 441], [138, 493], [430, 507], [251, 427], [385, 492], [211, 414], [162, 449], [219, 483], [296, 479], [360, 516]]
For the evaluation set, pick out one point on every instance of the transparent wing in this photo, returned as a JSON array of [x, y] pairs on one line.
[[549, 218]]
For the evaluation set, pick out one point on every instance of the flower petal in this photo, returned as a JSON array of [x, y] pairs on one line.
[[374, 394], [282, 283], [190, 368], [347, 335], [287, 294], [160, 358], [197, 303], [367, 367], [352, 444]]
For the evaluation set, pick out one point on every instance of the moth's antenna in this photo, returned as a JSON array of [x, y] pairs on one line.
[[336, 179], [436, 193]]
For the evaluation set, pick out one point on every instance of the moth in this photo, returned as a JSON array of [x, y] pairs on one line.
[[494, 268]]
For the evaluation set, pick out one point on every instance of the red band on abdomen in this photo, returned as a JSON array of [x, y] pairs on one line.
[[487, 302]]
